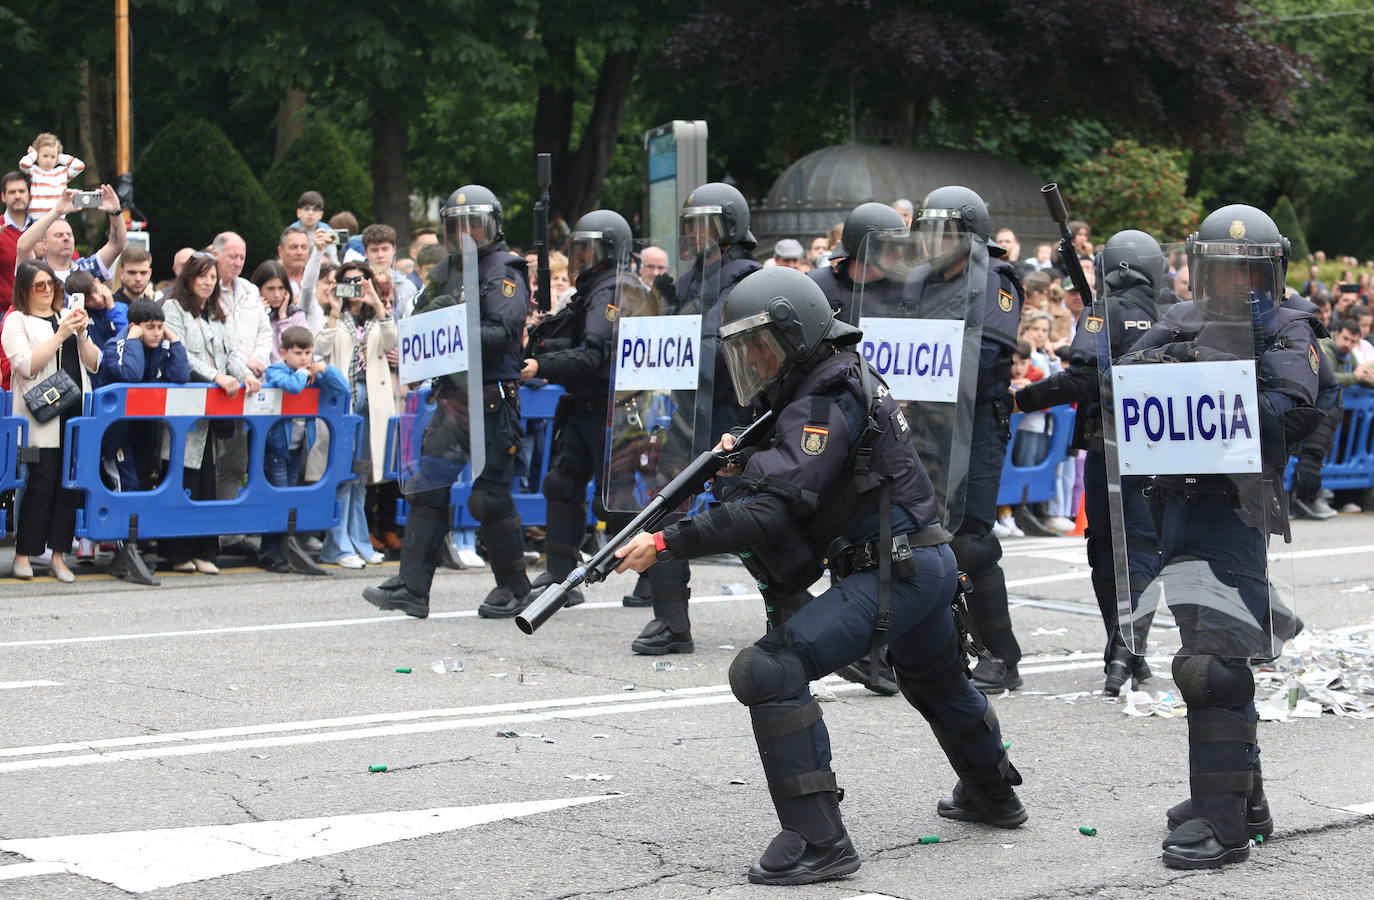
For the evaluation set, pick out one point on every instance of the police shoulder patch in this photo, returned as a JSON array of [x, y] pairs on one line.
[[1004, 299], [1312, 359], [507, 288], [611, 311], [814, 438], [1093, 324]]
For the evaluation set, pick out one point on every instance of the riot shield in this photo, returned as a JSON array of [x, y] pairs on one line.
[[921, 315], [660, 389], [441, 439], [1186, 450]]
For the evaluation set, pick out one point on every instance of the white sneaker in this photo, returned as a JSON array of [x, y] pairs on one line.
[[999, 530], [1059, 523], [350, 561], [312, 544], [1009, 524], [471, 559], [376, 559]]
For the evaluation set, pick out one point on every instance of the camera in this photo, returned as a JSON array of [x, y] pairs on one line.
[[348, 291], [87, 199], [340, 236]]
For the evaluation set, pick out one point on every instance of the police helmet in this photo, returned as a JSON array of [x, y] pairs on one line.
[[714, 214], [1237, 260], [472, 210], [949, 220], [873, 233], [774, 318], [1129, 259], [600, 238]]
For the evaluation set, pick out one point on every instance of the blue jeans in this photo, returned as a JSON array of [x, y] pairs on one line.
[[283, 470], [349, 534]]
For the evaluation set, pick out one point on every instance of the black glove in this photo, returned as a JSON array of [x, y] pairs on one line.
[[1307, 478], [664, 287]]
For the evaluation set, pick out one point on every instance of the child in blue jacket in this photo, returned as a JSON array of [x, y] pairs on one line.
[[289, 440], [144, 351]]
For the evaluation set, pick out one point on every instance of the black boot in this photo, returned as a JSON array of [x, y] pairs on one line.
[[641, 595], [1119, 669], [505, 540], [1258, 820], [503, 603], [877, 679], [791, 858], [393, 594], [1220, 743], [992, 676], [658, 639], [991, 804]]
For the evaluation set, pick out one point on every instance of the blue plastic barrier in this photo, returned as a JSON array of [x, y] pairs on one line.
[[1349, 464], [1036, 484], [167, 510], [14, 430]]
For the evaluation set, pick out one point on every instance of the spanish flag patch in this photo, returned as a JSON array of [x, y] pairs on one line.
[[814, 439]]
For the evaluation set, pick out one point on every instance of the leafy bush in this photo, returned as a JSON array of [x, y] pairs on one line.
[[192, 184], [318, 160], [1286, 217], [1130, 186]]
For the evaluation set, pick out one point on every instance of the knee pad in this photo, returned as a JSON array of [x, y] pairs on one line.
[[564, 486], [976, 552], [490, 506], [757, 676], [1205, 681]]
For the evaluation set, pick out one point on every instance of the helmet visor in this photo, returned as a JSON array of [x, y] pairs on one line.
[[478, 221], [586, 251], [893, 251], [753, 354], [1237, 282], [943, 234], [700, 228]]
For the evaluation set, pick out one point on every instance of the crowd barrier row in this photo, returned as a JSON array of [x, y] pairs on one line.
[[167, 511]]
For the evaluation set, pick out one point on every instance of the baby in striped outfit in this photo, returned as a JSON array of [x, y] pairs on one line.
[[49, 170]]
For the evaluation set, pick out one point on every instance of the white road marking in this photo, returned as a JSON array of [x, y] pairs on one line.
[[278, 734], [31, 870], [1363, 809], [14, 685], [873, 897], [140, 861]]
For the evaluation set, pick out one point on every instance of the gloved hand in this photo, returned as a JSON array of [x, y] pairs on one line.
[[1307, 478], [664, 287]]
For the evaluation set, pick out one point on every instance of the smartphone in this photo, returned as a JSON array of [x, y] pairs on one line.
[[87, 199], [76, 301], [348, 291], [1349, 289], [341, 236]]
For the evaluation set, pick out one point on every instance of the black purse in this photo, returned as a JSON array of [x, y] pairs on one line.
[[54, 395]]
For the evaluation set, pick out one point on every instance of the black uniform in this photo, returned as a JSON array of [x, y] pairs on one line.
[[805, 498], [504, 288], [669, 582], [580, 361], [1132, 314]]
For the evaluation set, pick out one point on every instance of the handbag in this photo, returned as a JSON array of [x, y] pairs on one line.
[[54, 395]]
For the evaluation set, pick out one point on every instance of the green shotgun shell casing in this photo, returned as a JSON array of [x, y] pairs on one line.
[[1006, 745], [376, 768], [404, 670], [1259, 839], [1090, 832], [929, 839]]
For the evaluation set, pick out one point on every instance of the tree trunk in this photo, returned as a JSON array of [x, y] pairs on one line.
[[553, 113], [390, 183], [289, 124], [589, 165], [85, 126]]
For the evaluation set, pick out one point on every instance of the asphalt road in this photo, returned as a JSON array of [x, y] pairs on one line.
[[212, 738]]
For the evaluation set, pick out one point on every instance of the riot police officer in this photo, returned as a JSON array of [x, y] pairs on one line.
[[1215, 526], [837, 480], [957, 216], [715, 239], [856, 270], [573, 349], [503, 284], [1130, 269]]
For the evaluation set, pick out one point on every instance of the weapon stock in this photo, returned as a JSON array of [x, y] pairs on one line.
[[544, 175], [1068, 254], [687, 483]]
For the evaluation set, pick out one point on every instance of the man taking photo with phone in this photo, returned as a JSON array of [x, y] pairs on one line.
[[51, 238]]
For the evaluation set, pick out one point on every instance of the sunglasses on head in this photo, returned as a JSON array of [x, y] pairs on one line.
[[203, 254]]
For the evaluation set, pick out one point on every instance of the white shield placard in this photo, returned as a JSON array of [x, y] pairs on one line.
[[433, 344], [918, 358], [658, 353], [1199, 418]]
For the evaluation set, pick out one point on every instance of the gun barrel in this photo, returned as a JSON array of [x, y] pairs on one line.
[[554, 597], [1055, 201]]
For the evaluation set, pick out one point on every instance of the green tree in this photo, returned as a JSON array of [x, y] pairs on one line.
[[1130, 186], [193, 184], [319, 160], [1286, 217]]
